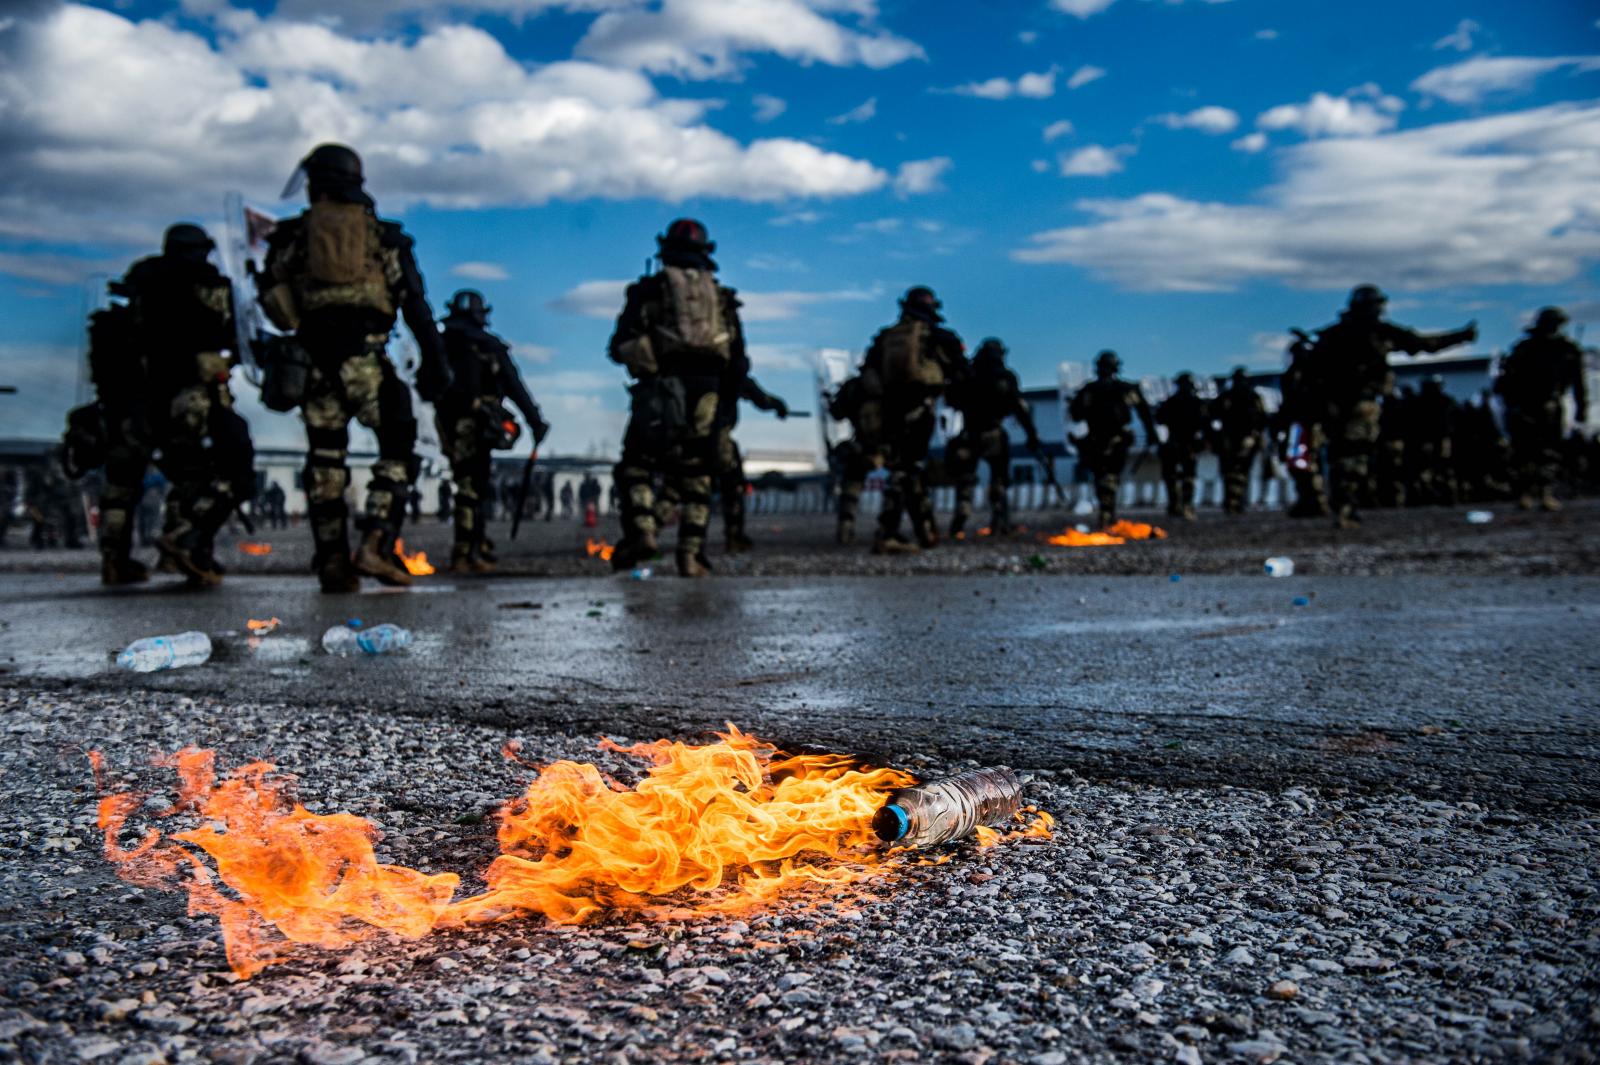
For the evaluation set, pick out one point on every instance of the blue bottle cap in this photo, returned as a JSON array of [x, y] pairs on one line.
[[891, 823]]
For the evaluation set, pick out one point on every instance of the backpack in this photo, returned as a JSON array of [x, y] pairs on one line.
[[343, 264], [905, 356], [695, 323]]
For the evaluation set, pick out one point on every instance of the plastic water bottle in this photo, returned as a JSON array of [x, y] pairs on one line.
[[166, 652], [943, 810], [1479, 517], [641, 573], [1279, 566], [378, 640]]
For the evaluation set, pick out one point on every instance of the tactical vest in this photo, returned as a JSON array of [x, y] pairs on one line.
[[906, 360], [695, 324], [1103, 405], [342, 264]]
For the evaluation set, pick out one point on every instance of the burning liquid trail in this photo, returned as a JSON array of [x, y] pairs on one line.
[[1119, 532], [416, 563], [595, 547], [723, 827]]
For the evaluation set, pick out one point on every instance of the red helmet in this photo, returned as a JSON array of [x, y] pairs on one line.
[[688, 234]]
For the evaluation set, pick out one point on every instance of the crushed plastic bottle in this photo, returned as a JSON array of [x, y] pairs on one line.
[[943, 810], [1479, 517], [165, 652], [377, 640], [1279, 566], [641, 573]]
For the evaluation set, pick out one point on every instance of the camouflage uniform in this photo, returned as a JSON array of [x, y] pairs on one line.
[[1303, 406], [917, 359], [161, 376], [471, 418], [335, 276], [1352, 358], [1187, 418], [1107, 406], [1542, 367], [858, 401], [1241, 419], [1389, 482], [991, 395], [729, 476], [1432, 418], [679, 336]]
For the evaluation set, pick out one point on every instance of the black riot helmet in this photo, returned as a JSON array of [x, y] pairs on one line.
[[1549, 320], [1433, 385], [991, 348], [332, 169], [687, 235], [469, 303], [187, 241], [920, 301], [1239, 378], [1367, 300], [1184, 382], [1107, 364]]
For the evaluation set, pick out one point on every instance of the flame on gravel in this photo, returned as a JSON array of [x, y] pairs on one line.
[[250, 548], [721, 827], [416, 563], [598, 547], [262, 626]]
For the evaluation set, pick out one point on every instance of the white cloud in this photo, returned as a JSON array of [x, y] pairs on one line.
[[1210, 119], [780, 357], [1094, 160], [46, 379], [538, 354], [478, 271], [1084, 75], [767, 107], [865, 111], [921, 175], [795, 218], [1040, 86], [603, 300], [1040, 166], [704, 38], [785, 263], [1081, 8], [1250, 142], [53, 269], [1056, 130], [446, 117], [1460, 38], [1471, 80], [1028, 36], [1266, 35], [1507, 199], [1361, 112]]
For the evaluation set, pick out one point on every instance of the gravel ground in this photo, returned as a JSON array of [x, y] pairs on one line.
[[1428, 540], [1161, 924]]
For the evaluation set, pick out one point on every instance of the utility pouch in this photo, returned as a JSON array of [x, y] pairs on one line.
[[498, 427], [285, 373], [660, 410]]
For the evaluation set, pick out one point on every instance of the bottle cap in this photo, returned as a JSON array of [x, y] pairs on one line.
[[891, 823]]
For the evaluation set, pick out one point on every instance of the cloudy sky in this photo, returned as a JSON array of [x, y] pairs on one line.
[[1180, 181]]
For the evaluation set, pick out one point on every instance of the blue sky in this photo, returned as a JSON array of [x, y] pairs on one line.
[[1178, 181]]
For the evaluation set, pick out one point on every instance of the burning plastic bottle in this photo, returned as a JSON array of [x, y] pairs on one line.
[[166, 652], [378, 640], [943, 810]]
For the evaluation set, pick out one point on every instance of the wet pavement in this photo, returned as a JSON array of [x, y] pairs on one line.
[[1464, 685]]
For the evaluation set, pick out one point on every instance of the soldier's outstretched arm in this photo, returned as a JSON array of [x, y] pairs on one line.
[[763, 400], [517, 392]]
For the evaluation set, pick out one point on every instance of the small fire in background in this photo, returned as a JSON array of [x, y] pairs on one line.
[[723, 827], [416, 563], [595, 547], [251, 548], [262, 626], [1119, 532]]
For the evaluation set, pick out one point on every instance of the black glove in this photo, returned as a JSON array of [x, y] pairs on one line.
[[539, 428], [780, 408], [433, 378]]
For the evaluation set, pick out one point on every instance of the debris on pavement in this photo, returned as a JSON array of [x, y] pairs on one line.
[[165, 652]]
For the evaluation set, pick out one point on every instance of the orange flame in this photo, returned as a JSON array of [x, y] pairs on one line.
[[262, 626], [598, 547], [722, 827], [416, 563], [1038, 827], [1119, 532], [250, 548]]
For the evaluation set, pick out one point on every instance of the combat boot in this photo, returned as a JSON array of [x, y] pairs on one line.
[[376, 558], [693, 564], [1188, 512], [738, 543], [121, 569], [893, 545], [337, 576], [633, 550], [486, 551], [461, 559], [1348, 518], [182, 547], [928, 535], [1549, 501], [1525, 501], [847, 531], [1106, 519]]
